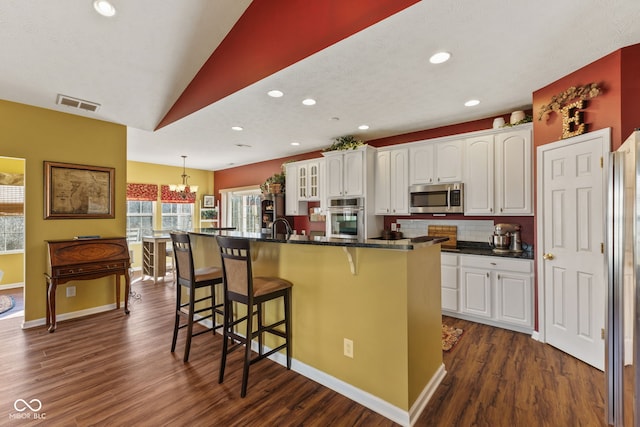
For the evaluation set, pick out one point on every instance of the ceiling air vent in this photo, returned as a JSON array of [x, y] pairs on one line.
[[77, 103]]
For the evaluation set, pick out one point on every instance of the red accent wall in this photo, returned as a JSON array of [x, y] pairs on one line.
[[270, 36]]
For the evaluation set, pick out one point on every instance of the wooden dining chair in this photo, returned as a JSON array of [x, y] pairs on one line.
[[187, 277], [241, 287]]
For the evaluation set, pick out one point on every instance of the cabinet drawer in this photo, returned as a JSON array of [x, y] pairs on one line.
[[497, 263], [449, 276], [448, 259]]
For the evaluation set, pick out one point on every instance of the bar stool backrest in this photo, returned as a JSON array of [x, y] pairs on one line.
[[183, 257], [236, 266]]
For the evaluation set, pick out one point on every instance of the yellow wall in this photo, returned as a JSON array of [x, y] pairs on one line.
[[150, 173], [12, 265], [39, 135]]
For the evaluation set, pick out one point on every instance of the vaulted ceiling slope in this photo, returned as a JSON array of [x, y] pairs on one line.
[[137, 65]]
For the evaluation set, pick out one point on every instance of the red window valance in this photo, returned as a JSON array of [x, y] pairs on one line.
[[168, 196], [142, 192]]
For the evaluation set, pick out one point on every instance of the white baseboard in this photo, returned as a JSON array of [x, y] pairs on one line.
[[12, 286], [71, 315], [535, 335]]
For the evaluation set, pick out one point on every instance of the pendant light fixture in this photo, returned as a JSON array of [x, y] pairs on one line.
[[184, 189]]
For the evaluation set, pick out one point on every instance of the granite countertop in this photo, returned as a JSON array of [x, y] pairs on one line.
[[484, 249], [400, 244]]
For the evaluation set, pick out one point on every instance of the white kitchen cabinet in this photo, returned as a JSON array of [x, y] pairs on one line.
[[514, 303], [496, 291], [475, 294], [346, 172], [497, 173], [514, 180], [291, 184], [392, 182], [303, 184], [449, 277], [479, 176], [308, 176], [436, 162]]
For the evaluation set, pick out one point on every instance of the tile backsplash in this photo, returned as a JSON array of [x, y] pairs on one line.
[[468, 230]]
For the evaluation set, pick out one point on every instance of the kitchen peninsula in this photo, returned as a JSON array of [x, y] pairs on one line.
[[382, 296]]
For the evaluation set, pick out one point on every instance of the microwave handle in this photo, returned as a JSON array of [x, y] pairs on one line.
[[448, 198]]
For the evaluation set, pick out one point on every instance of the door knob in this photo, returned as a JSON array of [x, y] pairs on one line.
[[548, 256]]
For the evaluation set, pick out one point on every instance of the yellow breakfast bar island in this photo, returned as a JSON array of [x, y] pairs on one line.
[[378, 299]]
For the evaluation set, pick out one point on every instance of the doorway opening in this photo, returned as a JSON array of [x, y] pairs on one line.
[[12, 237]]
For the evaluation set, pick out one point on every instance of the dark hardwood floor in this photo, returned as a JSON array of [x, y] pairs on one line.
[[111, 369]]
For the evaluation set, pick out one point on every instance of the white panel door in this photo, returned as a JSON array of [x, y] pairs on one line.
[[572, 237]]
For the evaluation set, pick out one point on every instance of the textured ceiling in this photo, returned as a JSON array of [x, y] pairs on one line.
[[137, 64]]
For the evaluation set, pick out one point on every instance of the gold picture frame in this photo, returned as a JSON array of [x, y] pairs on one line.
[[78, 191]]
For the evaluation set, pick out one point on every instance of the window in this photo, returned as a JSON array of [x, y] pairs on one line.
[[11, 218], [177, 216], [139, 220], [243, 209]]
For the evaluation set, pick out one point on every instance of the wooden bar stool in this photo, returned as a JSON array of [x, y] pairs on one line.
[[192, 279], [241, 287]]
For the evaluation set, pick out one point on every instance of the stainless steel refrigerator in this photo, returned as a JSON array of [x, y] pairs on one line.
[[623, 298]]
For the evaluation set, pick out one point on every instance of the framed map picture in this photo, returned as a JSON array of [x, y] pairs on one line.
[[78, 191]]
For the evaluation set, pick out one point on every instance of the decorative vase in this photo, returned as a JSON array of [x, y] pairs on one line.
[[516, 116], [498, 122]]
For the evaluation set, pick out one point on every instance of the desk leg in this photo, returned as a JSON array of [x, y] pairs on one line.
[[127, 291], [117, 291], [51, 305]]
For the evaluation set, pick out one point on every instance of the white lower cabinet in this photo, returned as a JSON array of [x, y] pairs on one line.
[[449, 274], [494, 290]]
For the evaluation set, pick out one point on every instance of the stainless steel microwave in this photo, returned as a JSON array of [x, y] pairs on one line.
[[437, 198]]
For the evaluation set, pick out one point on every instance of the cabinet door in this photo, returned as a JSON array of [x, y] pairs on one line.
[[448, 164], [479, 176], [353, 174], [514, 194], [291, 183], [382, 184], [514, 299], [422, 160], [302, 182], [399, 181], [475, 292], [334, 175], [313, 181]]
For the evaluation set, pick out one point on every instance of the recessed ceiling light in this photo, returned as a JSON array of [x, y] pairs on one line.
[[471, 103], [363, 127], [275, 93], [440, 57], [309, 101], [238, 128], [295, 144], [104, 8]]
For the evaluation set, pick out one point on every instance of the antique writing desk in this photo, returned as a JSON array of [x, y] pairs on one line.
[[85, 259]]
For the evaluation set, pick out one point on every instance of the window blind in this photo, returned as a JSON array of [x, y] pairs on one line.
[[11, 200]]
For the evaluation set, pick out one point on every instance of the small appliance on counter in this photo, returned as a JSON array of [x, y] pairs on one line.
[[506, 238]]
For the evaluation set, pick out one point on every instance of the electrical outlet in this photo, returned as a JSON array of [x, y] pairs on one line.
[[348, 348], [71, 291]]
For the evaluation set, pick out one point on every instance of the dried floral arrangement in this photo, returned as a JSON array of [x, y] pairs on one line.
[[558, 101], [348, 142]]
